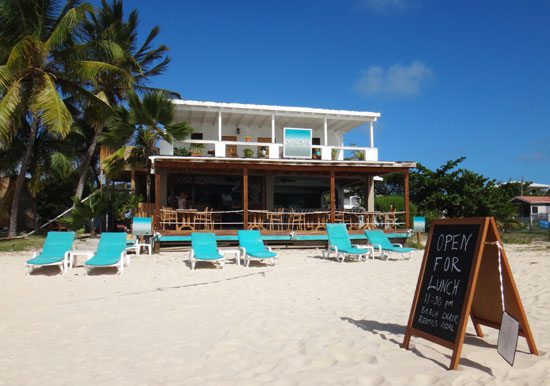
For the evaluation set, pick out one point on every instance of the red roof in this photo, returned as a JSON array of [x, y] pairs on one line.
[[533, 199]]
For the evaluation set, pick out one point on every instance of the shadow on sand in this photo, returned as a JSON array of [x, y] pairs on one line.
[[383, 329]]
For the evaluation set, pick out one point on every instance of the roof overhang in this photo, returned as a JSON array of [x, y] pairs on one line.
[[281, 165], [252, 115]]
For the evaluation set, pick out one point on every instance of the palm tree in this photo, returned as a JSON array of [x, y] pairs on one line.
[[140, 63], [143, 125], [43, 69]]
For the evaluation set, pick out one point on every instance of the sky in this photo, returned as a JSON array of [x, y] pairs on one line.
[[450, 78]]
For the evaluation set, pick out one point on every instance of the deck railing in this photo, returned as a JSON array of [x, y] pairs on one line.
[[265, 150], [277, 221]]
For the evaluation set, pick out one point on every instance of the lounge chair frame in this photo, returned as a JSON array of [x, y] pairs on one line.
[[356, 251]]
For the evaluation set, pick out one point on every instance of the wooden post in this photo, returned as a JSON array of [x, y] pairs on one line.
[[332, 197], [156, 220], [406, 198], [245, 198]]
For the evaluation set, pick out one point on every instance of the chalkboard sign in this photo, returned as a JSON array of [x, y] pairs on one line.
[[459, 278], [445, 280]]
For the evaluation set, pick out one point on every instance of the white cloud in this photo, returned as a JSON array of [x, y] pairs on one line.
[[535, 156], [397, 80], [383, 5]]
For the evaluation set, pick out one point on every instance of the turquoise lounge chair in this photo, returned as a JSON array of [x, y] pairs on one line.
[[205, 248], [111, 252], [379, 240], [252, 247], [141, 228], [56, 251], [340, 243]]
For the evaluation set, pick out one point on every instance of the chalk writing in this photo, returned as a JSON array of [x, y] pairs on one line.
[[445, 280]]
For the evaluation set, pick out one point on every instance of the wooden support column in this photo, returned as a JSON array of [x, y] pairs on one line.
[[245, 198], [157, 198], [133, 181], [406, 198], [332, 197]]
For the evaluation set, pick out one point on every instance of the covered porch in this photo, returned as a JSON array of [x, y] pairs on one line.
[[285, 198]]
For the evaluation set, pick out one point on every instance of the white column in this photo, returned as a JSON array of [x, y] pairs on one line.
[[371, 135], [220, 125], [273, 128], [325, 133]]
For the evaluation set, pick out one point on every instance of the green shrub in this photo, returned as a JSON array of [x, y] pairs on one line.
[[383, 204]]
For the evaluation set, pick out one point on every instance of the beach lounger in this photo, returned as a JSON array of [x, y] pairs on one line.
[[205, 248], [380, 241], [56, 251], [111, 252], [252, 247], [340, 243]]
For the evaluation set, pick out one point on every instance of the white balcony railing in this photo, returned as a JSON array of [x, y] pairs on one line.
[[222, 149]]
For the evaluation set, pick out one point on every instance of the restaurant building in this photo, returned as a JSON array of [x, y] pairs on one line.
[[282, 170]]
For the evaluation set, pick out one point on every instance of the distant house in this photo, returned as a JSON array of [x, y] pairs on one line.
[[533, 208]]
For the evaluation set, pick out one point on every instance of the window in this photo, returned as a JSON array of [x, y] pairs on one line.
[[196, 136], [534, 209], [315, 141]]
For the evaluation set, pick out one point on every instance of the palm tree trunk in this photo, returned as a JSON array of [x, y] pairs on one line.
[[22, 176], [86, 165], [148, 183]]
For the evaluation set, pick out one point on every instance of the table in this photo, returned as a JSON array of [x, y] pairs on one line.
[[236, 251], [73, 254], [370, 248], [185, 219], [316, 221]]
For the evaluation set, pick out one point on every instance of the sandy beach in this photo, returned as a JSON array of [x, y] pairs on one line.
[[306, 321]]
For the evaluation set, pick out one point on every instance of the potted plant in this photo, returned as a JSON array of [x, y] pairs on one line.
[[181, 151], [196, 149], [247, 138], [316, 153], [261, 154], [248, 153]]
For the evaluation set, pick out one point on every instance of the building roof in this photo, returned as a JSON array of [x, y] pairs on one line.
[[252, 115], [533, 199]]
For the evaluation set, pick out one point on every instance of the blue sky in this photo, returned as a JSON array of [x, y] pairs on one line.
[[450, 78]]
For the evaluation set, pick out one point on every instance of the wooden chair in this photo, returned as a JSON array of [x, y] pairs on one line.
[[296, 220], [339, 217], [168, 218], [275, 219], [203, 219]]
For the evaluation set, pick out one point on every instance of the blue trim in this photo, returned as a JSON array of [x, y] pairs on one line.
[[281, 237]]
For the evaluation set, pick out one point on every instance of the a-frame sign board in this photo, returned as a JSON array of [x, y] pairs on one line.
[[459, 278]]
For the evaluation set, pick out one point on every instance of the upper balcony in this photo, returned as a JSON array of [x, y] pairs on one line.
[[224, 130], [263, 150]]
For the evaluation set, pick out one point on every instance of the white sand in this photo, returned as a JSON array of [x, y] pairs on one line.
[[306, 321]]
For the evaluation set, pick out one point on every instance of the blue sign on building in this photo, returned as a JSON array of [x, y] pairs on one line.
[[297, 143]]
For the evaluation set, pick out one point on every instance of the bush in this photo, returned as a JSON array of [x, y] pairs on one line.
[[248, 153], [383, 204], [182, 151]]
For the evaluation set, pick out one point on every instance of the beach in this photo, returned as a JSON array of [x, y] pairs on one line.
[[306, 321]]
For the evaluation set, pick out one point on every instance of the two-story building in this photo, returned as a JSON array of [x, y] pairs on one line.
[[255, 166]]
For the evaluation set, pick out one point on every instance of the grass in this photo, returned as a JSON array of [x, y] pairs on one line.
[[31, 243], [525, 236]]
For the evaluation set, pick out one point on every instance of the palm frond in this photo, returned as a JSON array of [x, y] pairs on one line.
[[61, 164], [67, 24], [10, 105], [53, 112], [24, 51]]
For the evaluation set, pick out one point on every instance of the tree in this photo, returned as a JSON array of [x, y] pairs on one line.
[[452, 192], [139, 64], [143, 125], [41, 62]]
